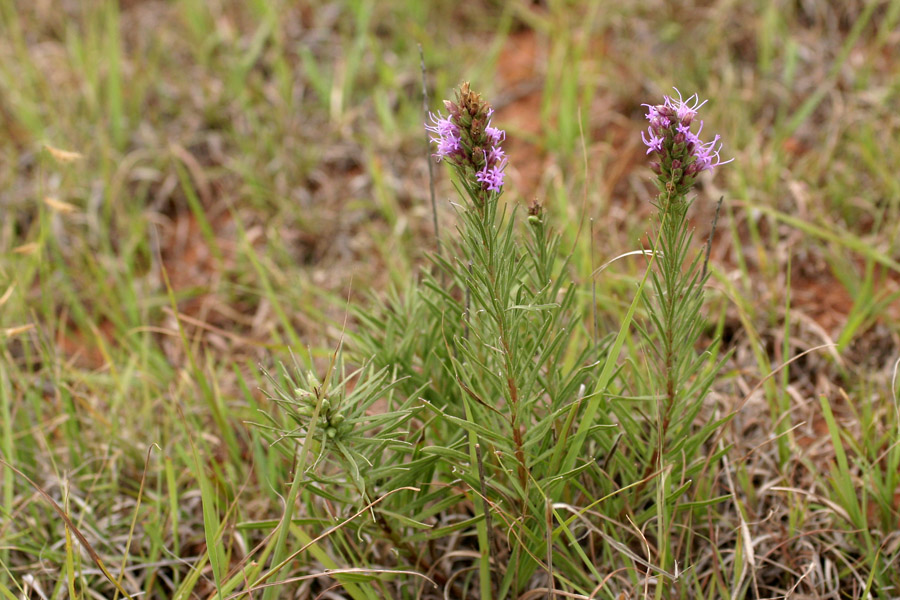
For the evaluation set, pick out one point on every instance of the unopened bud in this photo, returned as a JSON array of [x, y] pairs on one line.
[[478, 155], [452, 108], [312, 379], [477, 127]]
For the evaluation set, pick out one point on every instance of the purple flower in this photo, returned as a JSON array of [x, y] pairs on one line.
[[653, 111], [495, 135], [442, 125], [671, 137], [447, 139], [491, 175], [495, 155], [707, 155], [447, 146], [654, 144], [685, 110], [491, 178], [658, 121]]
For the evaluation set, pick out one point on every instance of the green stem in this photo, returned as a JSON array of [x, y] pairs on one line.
[[279, 552]]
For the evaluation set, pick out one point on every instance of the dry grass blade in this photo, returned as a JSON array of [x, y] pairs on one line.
[[63, 156], [602, 267], [11, 332], [59, 206], [6, 295], [329, 573], [543, 591], [26, 249]]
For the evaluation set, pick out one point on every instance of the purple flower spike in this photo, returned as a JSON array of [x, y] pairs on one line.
[[682, 154], [469, 142]]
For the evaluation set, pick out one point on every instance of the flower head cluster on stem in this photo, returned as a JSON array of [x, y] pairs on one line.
[[682, 154], [466, 139]]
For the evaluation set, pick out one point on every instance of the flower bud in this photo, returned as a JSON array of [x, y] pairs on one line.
[[477, 128], [665, 111], [478, 155], [311, 378], [451, 108]]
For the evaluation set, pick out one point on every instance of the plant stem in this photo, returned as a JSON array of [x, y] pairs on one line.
[[672, 212]]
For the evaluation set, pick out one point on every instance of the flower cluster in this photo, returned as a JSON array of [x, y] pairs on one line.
[[682, 154], [468, 141], [332, 420]]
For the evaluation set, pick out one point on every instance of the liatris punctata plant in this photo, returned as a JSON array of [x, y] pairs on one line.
[[519, 326], [503, 409], [679, 376]]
